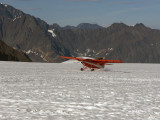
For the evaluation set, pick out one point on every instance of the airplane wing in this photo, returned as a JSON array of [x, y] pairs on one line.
[[92, 60], [108, 61], [72, 58]]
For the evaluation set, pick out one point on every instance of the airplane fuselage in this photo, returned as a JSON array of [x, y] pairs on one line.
[[91, 64]]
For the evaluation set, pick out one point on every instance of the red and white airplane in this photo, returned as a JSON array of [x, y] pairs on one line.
[[93, 63]]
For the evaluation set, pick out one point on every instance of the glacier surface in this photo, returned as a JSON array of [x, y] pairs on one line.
[[50, 91]]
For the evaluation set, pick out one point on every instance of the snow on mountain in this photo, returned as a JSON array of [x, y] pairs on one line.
[[16, 17], [4, 4], [35, 53], [52, 32]]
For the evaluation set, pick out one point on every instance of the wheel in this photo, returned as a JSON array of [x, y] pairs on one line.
[[92, 69], [81, 69]]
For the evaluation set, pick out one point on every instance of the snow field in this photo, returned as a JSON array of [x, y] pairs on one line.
[[49, 91]]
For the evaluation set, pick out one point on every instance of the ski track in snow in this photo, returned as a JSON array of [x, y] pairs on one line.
[[49, 91]]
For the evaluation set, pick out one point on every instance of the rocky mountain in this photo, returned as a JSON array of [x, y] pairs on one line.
[[43, 42], [84, 26], [88, 26], [28, 34], [69, 27], [129, 43], [9, 54]]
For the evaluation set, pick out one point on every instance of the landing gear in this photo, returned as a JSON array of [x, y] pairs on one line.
[[82, 69], [89, 65], [92, 69]]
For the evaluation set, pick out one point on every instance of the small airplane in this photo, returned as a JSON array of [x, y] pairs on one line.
[[92, 63]]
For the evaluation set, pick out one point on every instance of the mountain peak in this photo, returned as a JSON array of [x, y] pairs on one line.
[[9, 11], [119, 25], [88, 26], [140, 25], [54, 26], [84, 26], [69, 27]]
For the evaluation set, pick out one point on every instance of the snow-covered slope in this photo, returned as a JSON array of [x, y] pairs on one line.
[[52, 32], [40, 91]]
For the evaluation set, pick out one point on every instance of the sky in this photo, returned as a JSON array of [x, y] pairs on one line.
[[102, 12]]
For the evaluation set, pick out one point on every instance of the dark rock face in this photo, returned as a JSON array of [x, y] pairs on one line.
[[9, 54], [119, 41], [43, 42], [28, 34], [87, 26]]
